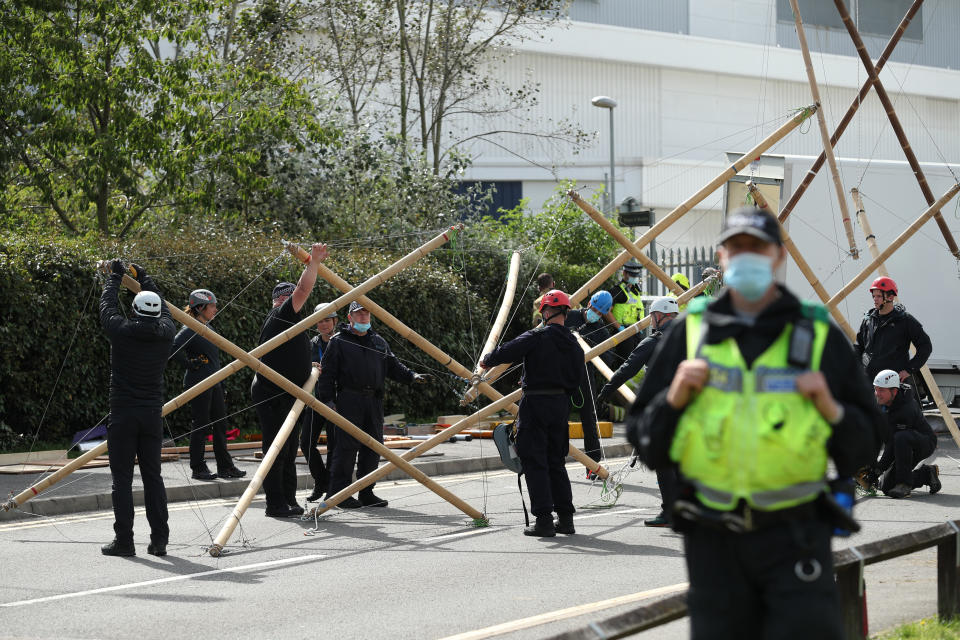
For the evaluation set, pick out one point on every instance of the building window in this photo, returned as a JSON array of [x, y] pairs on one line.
[[506, 194], [872, 17]]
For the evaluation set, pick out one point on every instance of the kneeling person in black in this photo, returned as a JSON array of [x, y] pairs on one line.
[[552, 370], [139, 348], [911, 440], [356, 363]]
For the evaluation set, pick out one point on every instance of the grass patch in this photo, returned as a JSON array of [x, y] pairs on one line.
[[927, 629]]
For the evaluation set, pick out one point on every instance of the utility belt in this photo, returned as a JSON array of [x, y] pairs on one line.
[[370, 392], [552, 391], [744, 518]]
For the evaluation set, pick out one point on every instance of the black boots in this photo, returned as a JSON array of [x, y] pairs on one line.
[[543, 527], [115, 548], [157, 549], [564, 523], [368, 499]]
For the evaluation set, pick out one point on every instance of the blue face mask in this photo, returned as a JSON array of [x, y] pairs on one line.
[[749, 274], [361, 327], [633, 280], [591, 316]]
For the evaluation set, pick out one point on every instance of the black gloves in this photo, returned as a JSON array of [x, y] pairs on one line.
[[138, 272], [605, 392], [116, 266], [421, 378]]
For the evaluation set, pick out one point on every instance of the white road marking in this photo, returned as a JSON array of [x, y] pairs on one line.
[[563, 614], [147, 583]]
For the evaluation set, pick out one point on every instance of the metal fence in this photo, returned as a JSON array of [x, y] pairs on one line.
[[689, 262]]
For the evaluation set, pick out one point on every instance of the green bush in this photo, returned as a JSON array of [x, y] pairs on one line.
[[54, 372]]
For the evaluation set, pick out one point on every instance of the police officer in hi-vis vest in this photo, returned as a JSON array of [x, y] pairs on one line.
[[748, 396], [627, 306]]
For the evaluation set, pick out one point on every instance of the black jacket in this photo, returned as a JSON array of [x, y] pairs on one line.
[[355, 362], [651, 422], [199, 356], [883, 342], [139, 348], [551, 356], [904, 413], [635, 361], [593, 333]]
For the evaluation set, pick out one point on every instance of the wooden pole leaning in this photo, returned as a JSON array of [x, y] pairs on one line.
[[895, 123], [625, 242], [34, 490], [602, 367], [851, 111], [478, 373], [925, 372], [313, 318], [896, 244], [263, 469], [693, 200], [825, 137], [802, 263]]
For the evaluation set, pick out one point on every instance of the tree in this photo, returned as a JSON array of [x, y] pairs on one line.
[[112, 109], [415, 69]]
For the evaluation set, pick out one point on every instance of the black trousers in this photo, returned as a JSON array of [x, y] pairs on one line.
[[588, 416], [280, 483], [209, 413], [909, 449], [746, 585], [367, 413], [137, 432], [313, 426], [667, 481], [543, 440]]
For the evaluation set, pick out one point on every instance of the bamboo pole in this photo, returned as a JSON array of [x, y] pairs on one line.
[[394, 323], [487, 377], [895, 123], [602, 367], [625, 242], [851, 110], [693, 200], [55, 477], [503, 313], [924, 370], [802, 263], [903, 237], [263, 469], [822, 123], [312, 319]]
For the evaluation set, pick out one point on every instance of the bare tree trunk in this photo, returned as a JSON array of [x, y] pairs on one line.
[[402, 26]]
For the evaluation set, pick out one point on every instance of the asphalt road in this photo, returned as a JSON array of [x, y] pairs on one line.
[[417, 569]]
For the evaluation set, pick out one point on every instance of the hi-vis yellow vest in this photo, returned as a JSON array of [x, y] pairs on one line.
[[748, 434], [626, 313]]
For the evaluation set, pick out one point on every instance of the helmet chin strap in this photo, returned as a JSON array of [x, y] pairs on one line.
[[546, 319]]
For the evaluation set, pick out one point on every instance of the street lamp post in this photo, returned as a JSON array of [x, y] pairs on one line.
[[605, 102]]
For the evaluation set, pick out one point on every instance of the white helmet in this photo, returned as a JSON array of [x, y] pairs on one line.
[[887, 379], [147, 304], [332, 314], [665, 305]]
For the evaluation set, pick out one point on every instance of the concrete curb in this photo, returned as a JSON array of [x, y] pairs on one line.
[[233, 488]]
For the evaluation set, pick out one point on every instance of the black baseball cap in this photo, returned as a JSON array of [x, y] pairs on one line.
[[355, 306], [283, 289], [753, 222]]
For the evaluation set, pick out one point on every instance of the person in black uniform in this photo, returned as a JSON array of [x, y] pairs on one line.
[[316, 423], [883, 341], [911, 441], [589, 324], [756, 525], [139, 348], [355, 365], [552, 372], [662, 311], [291, 360], [201, 359]]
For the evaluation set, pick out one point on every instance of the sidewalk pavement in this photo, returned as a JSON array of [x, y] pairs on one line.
[[89, 489]]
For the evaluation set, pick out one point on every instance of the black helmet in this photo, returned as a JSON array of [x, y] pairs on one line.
[[201, 297]]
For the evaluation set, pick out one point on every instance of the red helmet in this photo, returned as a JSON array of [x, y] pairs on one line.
[[884, 283], [554, 298]]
